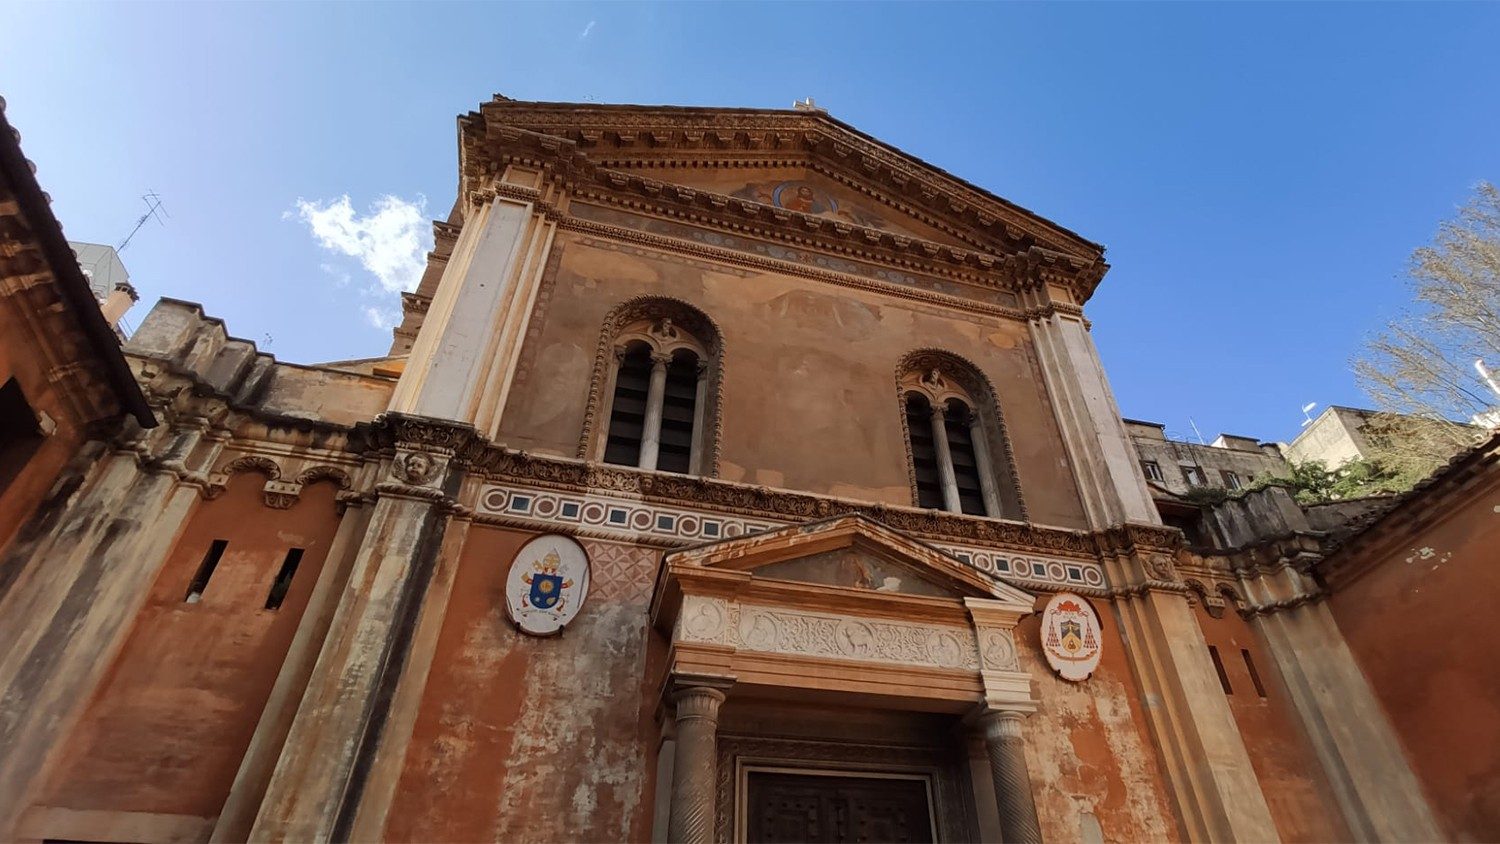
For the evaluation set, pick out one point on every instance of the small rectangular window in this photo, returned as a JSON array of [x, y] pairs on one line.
[[1152, 470], [1254, 675], [284, 577], [205, 571], [1213, 654], [1193, 475], [1231, 480]]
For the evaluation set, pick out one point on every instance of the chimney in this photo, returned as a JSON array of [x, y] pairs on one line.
[[119, 300]]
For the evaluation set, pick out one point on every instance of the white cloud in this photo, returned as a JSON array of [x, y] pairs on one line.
[[390, 242], [586, 30]]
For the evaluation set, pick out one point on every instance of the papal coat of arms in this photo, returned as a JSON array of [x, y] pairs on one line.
[[1071, 638], [547, 584]]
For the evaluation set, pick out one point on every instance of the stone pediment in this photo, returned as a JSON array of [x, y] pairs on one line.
[[844, 607], [829, 185], [801, 188], [851, 552]]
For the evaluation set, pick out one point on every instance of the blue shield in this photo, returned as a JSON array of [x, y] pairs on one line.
[[546, 589]]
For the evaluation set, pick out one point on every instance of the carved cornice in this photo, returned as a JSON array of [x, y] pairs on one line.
[[1013, 260], [649, 134], [475, 454]]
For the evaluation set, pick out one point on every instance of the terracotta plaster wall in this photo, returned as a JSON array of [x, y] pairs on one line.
[[170, 722], [1420, 621], [1089, 749], [809, 397], [1291, 777], [27, 489], [529, 739]]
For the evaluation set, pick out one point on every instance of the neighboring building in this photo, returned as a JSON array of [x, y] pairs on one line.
[[1334, 437], [1341, 434], [1178, 466], [107, 278], [799, 452]]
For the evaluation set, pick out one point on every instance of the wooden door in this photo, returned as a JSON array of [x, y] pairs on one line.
[[784, 807]]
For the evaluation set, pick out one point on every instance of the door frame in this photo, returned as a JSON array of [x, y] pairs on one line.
[[744, 767]]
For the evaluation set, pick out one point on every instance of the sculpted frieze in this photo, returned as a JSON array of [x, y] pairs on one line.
[[786, 631]]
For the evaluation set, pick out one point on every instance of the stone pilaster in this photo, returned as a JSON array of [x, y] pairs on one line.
[[1007, 752], [1104, 462], [67, 612], [1377, 792], [695, 762], [334, 779], [463, 360], [1215, 789], [259, 762]]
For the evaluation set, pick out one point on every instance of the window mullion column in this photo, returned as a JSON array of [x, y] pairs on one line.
[[655, 396], [699, 442], [951, 501], [984, 467]]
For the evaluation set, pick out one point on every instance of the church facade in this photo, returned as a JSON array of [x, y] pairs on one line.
[[733, 476]]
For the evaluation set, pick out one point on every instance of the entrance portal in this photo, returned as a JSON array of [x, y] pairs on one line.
[[811, 807]]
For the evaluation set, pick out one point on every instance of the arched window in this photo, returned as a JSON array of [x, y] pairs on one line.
[[657, 389], [960, 457]]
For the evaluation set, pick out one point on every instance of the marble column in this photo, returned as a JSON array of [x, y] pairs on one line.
[[700, 405], [951, 502], [694, 774], [986, 467], [1007, 752], [655, 396]]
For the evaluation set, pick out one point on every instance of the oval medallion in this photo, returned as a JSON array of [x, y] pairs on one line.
[[1071, 638], [547, 585]]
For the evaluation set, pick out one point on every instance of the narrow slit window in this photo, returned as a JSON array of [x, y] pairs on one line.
[[283, 581], [1213, 654], [1254, 675], [205, 571]]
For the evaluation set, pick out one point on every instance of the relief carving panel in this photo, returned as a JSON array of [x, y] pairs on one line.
[[782, 631]]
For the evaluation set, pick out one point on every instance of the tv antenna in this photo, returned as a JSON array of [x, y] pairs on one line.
[[1196, 432], [1306, 418], [154, 210]]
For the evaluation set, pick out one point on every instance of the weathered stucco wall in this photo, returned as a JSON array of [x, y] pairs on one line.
[[1291, 777], [27, 474], [1415, 619], [167, 727], [806, 364], [1089, 748], [527, 739]]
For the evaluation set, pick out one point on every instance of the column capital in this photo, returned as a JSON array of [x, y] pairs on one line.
[[660, 359], [1002, 723]]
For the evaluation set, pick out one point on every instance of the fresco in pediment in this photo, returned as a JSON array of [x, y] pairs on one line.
[[807, 198], [798, 189]]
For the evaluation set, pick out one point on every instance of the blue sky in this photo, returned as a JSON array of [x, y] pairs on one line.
[[1259, 172]]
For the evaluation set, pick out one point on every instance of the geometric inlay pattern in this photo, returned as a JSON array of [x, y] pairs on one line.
[[627, 519], [621, 574]]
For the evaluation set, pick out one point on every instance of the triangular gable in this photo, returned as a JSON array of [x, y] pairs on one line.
[[794, 187], [769, 554], [628, 136]]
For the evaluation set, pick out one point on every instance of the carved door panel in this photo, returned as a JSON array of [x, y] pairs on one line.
[[784, 807]]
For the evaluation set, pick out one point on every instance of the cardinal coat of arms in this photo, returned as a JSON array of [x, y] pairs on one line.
[[1071, 637]]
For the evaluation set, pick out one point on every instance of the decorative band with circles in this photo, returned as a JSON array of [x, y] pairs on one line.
[[630, 519]]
